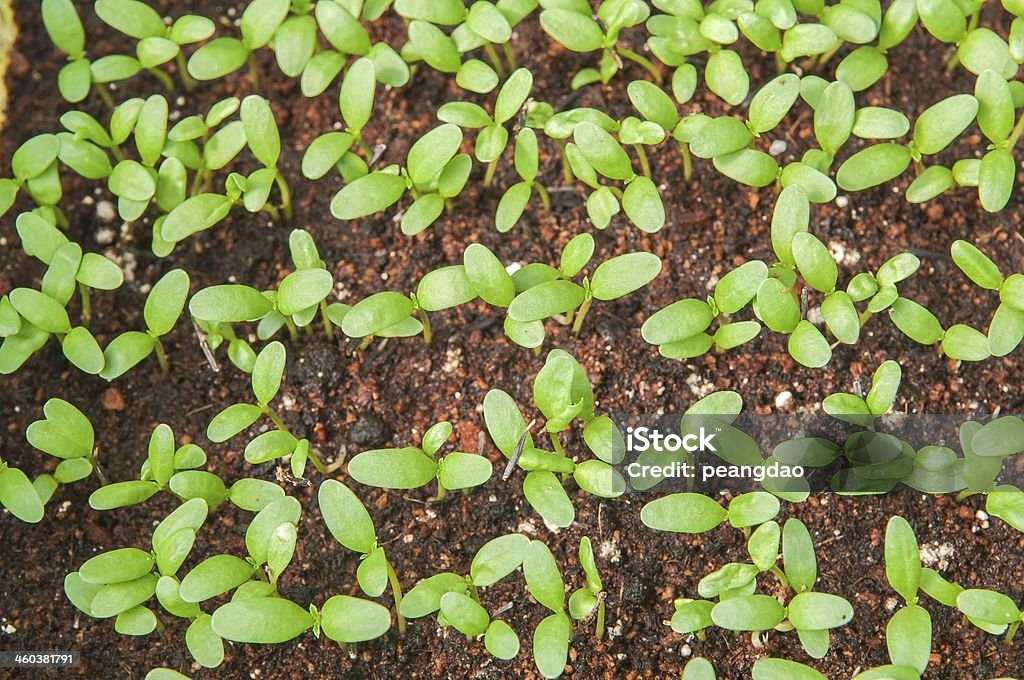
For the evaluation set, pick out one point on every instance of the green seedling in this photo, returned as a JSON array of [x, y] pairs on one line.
[[333, 149], [120, 582], [543, 291], [64, 433], [545, 584], [68, 267], [492, 139], [574, 26], [435, 172], [163, 306], [212, 335], [158, 43], [594, 153], [517, 197], [177, 470], [302, 294], [351, 525], [695, 513], [863, 410], [35, 168], [493, 562], [267, 374], [413, 467], [562, 393], [587, 604], [909, 632], [739, 608], [1007, 326], [482, 24]]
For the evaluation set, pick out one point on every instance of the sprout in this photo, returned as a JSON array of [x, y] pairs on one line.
[[861, 410], [267, 374], [574, 27], [412, 467], [739, 608], [563, 394], [435, 172], [492, 139], [587, 603], [350, 524]]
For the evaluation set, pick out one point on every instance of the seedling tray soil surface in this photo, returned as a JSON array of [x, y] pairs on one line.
[[350, 400]]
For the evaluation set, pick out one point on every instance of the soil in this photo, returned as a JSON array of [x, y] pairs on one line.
[[346, 399]]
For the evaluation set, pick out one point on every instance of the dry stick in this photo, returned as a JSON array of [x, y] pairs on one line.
[[206, 348], [510, 468]]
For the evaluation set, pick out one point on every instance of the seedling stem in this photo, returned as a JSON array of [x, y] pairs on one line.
[[396, 590]]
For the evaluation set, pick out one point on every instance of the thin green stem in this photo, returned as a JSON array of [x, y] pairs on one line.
[[186, 80], [599, 629], [161, 356], [645, 165], [684, 149], [824, 57], [581, 315], [62, 219], [545, 197], [492, 56], [489, 173], [964, 495], [441, 492], [510, 56], [83, 292], [474, 593], [254, 72], [286, 195], [425, 320], [396, 590], [783, 581], [163, 77], [293, 332], [1015, 133], [276, 419], [104, 93], [567, 176], [642, 61], [328, 326], [780, 64], [556, 443], [1011, 632], [363, 146]]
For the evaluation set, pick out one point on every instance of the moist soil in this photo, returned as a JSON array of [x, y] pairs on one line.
[[347, 400]]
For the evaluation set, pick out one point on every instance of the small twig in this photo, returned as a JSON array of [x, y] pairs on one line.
[[510, 468], [206, 348]]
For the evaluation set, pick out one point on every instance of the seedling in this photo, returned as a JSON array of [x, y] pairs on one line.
[[120, 582], [587, 604], [493, 136], [267, 373], [158, 44], [862, 410], [350, 524], [413, 467], [64, 433], [332, 150], [909, 632], [516, 198], [302, 293], [573, 26], [594, 153], [163, 306], [455, 598], [435, 172], [563, 394], [811, 614]]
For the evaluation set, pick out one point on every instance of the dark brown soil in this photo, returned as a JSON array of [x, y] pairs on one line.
[[714, 224]]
